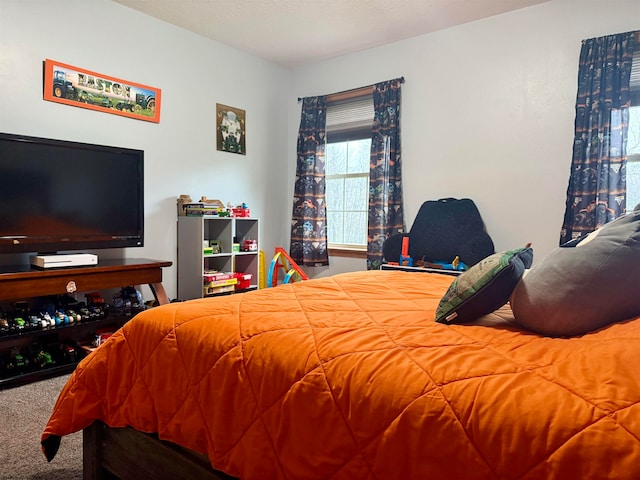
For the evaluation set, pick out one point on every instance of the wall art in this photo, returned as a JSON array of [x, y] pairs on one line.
[[86, 89], [231, 129]]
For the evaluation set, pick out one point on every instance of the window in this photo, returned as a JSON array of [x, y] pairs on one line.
[[347, 180], [633, 136], [633, 154], [347, 156]]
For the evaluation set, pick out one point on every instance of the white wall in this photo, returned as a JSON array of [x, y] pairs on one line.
[[487, 112], [193, 73]]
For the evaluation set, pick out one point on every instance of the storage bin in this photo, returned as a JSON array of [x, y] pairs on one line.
[[244, 280]]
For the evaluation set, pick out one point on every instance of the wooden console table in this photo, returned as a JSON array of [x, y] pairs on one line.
[[24, 281]]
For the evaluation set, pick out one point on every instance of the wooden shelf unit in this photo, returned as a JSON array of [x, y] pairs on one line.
[[193, 231]]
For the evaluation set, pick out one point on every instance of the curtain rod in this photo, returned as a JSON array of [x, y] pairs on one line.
[[353, 89]]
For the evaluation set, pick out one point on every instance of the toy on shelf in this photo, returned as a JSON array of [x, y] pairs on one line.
[[187, 207], [211, 247], [249, 246], [240, 210], [405, 259], [244, 280], [215, 282], [281, 259], [212, 202], [455, 264], [183, 201]]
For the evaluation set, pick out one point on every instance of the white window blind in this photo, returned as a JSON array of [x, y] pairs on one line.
[[634, 82], [350, 115]]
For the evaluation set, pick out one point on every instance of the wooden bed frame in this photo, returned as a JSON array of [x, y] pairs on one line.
[[114, 453]]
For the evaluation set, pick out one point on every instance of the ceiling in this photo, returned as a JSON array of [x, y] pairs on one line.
[[292, 33]]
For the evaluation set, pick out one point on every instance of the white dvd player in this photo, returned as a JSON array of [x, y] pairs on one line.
[[64, 260]]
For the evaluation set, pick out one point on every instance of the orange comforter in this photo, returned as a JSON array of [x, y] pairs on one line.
[[349, 377]]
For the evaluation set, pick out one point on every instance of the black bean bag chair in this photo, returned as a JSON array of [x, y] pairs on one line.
[[442, 230]]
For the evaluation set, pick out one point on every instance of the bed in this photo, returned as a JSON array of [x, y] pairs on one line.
[[350, 377]]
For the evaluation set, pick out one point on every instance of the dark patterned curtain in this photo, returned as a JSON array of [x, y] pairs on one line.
[[597, 192], [309, 218], [385, 180]]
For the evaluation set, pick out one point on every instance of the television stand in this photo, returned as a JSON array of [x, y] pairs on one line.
[[24, 282], [21, 282]]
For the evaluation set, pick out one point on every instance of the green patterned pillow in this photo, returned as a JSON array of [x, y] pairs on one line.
[[485, 287]]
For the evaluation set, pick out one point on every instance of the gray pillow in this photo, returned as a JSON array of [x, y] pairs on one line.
[[580, 289]]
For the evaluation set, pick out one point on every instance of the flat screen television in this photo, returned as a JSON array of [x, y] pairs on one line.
[[60, 196]]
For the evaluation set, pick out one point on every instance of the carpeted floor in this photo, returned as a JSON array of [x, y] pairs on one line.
[[24, 412]]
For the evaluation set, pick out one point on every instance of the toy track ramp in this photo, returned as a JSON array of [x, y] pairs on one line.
[[262, 277], [291, 269]]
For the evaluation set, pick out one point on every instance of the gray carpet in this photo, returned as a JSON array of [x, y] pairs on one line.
[[24, 412]]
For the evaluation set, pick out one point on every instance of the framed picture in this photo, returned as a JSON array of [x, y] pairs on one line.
[[86, 89], [231, 129]]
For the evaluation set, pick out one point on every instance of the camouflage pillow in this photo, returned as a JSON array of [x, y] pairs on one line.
[[485, 287]]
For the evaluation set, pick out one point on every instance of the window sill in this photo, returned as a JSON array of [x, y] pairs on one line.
[[347, 252]]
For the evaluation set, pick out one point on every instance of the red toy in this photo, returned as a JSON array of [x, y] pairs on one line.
[[405, 259]]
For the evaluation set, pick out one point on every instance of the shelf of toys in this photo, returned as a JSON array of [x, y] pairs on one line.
[[50, 319], [217, 248]]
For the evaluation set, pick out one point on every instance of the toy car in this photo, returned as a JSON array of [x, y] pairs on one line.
[[4, 326], [35, 322], [249, 246], [19, 323], [19, 361], [43, 359], [48, 319]]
